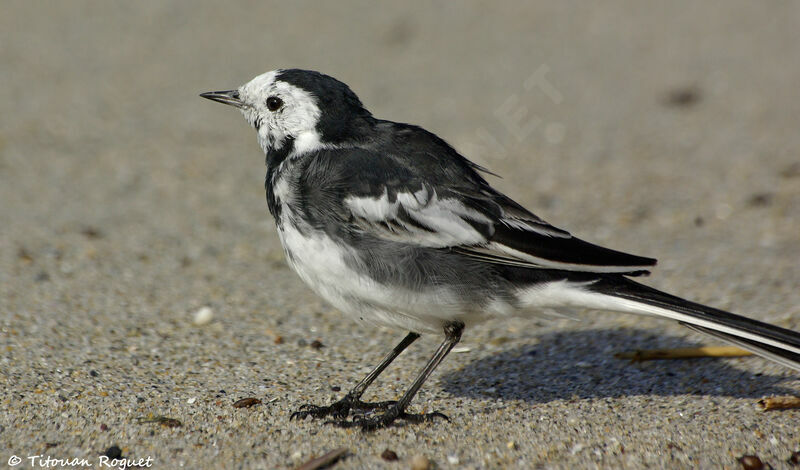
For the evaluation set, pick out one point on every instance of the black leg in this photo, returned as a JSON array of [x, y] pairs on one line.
[[352, 400], [452, 333]]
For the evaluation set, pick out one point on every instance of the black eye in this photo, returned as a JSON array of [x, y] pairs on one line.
[[274, 103]]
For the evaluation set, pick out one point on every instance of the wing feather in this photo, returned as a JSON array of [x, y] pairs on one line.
[[401, 190], [422, 218]]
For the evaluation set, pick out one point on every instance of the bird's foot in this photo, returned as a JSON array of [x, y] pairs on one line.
[[371, 421], [340, 409]]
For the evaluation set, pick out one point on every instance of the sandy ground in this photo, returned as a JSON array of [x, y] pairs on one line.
[[128, 203]]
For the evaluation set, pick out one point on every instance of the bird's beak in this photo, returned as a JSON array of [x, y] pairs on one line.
[[230, 97]]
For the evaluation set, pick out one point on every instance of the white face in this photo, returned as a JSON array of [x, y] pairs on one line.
[[278, 110]]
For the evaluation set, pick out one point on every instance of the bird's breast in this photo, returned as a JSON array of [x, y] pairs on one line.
[[280, 190], [323, 264]]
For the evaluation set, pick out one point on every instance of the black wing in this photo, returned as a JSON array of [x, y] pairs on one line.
[[410, 187]]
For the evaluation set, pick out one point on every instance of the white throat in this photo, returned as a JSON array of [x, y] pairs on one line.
[[296, 119], [308, 141]]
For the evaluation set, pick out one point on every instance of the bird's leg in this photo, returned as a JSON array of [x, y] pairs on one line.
[[352, 400], [397, 410]]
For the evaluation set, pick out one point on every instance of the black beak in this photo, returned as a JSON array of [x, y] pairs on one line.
[[230, 97]]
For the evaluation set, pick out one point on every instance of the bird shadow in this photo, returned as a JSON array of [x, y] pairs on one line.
[[581, 364]]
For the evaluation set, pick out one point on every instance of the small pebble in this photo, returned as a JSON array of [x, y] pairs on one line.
[[751, 462], [24, 255], [453, 460], [683, 97], [794, 459], [113, 452], [723, 211], [104, 427], [317, 344], [324, 461], [247, 402], [92, 232], [203, 316], [389, 455], [191, 400], [511, 445], [760, 199], [420, 462], [164, 421]]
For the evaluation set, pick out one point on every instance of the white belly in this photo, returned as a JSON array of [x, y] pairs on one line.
[[322, 264]]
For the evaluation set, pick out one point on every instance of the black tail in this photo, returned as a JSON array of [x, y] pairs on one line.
[[770, 341]]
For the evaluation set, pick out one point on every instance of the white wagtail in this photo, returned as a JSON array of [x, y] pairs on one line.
[[392, 226]]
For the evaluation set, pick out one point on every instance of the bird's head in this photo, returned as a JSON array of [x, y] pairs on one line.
[[302, 109]]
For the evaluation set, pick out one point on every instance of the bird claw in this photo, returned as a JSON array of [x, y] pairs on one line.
[[340, 409], [371, 422]]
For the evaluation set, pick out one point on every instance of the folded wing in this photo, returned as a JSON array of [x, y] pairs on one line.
[[489, 227], [411, 187]]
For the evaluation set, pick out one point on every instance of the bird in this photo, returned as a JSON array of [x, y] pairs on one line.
[[393, 227]]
